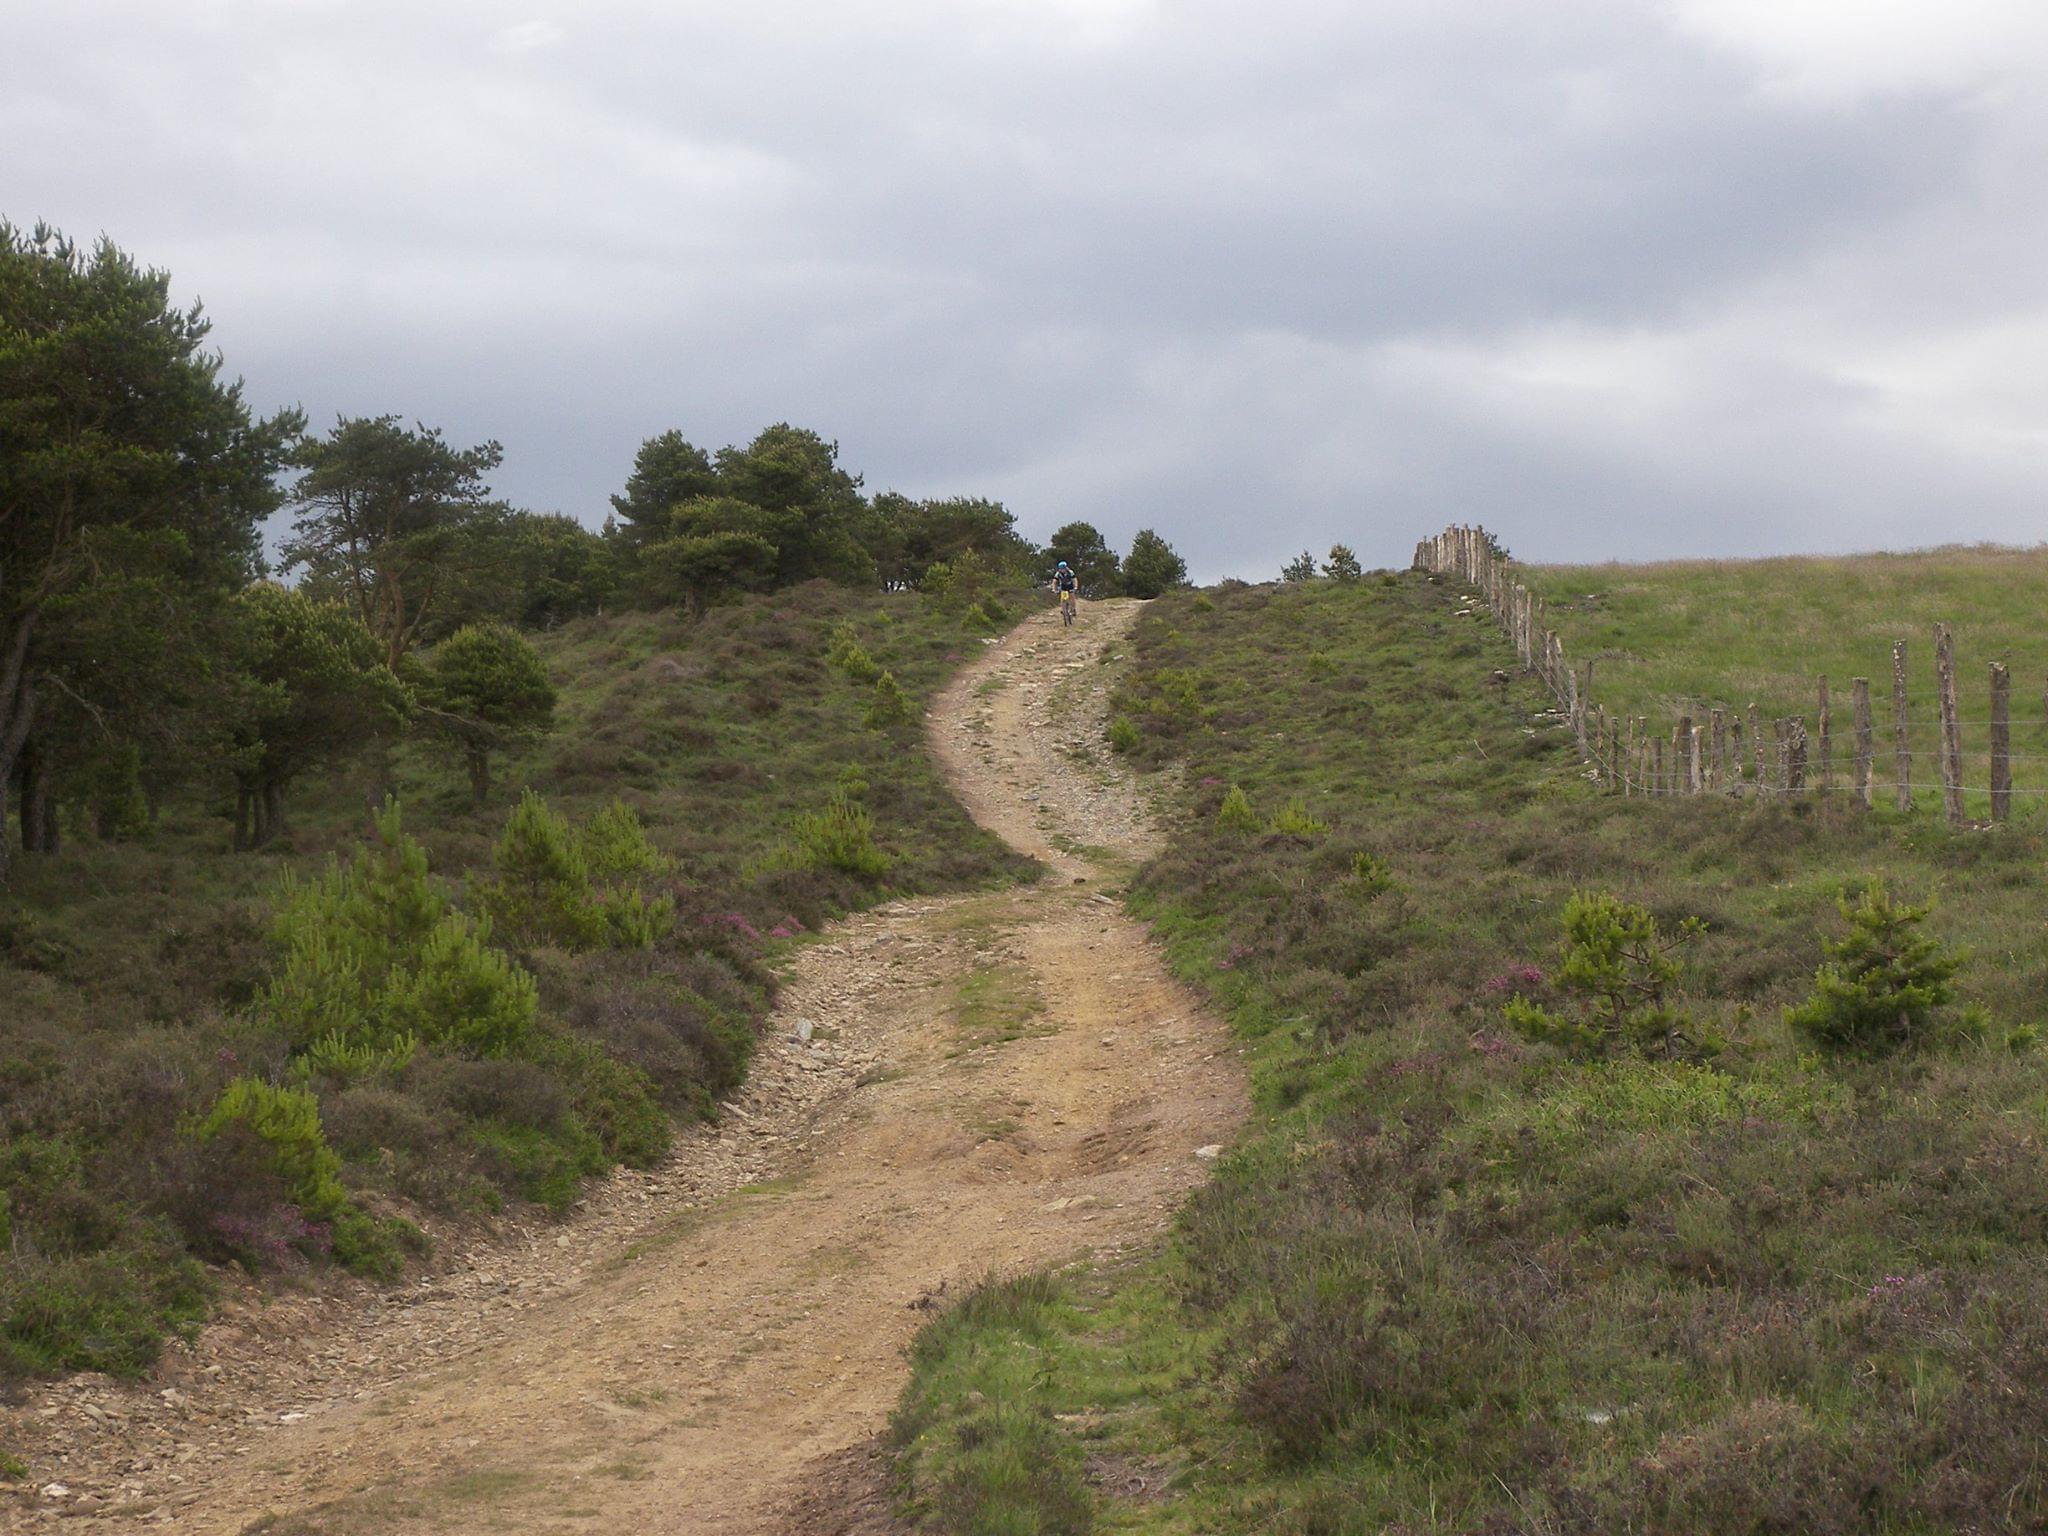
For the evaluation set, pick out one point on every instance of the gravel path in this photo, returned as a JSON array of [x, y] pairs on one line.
[[713, 1345]]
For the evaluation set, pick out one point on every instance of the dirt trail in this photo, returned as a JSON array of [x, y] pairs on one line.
[[715, 1337]]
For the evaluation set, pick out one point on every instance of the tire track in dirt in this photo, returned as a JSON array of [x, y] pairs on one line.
[[723, 1336]]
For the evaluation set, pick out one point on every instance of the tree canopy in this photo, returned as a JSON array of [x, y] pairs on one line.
[[1152, 566], [1094, 563], [131, 468], [382, 514]]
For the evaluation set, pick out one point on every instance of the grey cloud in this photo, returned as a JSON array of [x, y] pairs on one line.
[[1262, 279]]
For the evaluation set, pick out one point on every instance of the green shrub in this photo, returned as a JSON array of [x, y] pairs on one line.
[[546, 1164], [1616, 970], [850, 657], [841, 837], [1880, 986], [1294, 820], [1370, 874], [462, 994], [615, 845], [373, 953], [105, 1311], [618, 1102], [287, 1122], [1122, 734], [545, 893], [890, 704], [1235, 814], [334, 1055]]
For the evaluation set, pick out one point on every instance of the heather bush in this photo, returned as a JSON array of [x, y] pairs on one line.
[[286, 1121], [1122, 734]]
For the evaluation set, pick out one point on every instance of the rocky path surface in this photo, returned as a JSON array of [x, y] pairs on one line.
[[951, 1088]]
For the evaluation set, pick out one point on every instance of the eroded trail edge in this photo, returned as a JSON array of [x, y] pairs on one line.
[[951, 1089]]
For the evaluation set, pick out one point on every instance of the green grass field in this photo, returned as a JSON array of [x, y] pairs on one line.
[[1685, 636], [1452, 1280], [131, 971]]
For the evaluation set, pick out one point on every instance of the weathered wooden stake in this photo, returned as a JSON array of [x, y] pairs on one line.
[[2001, 743], [1717, 757], [1657, 771], [1756, 747], [1782, 729], [1951, 731], [1827, 748], [1681, 763], [1861, 688], [1795, 756], [1903, 750]]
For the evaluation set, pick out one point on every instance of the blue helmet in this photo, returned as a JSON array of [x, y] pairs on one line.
[[1063, 565]]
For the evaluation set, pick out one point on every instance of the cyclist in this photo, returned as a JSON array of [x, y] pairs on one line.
[[1065, 583]]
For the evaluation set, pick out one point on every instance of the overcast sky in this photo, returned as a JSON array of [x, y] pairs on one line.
[[1629, 278]]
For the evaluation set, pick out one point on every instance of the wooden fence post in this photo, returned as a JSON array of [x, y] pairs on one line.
[[1795, 756], [1756, 747], [1657, 772], [2001, 743], [1951, 731], [1861, 688], [1717, 755], [1827, 748], [1782, 731], [1903, 739]]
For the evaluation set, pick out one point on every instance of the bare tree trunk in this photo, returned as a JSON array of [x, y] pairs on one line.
[[39, 831], [17, 714], [274, 825]]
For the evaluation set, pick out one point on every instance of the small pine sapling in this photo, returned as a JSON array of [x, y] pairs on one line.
[[1617, 968], [1879, 988], [1235, 814]]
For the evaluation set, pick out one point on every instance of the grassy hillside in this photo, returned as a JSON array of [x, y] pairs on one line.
[[134, 975], [1453, 1279], [1670, 638]]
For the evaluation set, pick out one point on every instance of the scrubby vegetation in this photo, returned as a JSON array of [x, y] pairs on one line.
[[433, 879], [440, 1012], [1455, 1278]]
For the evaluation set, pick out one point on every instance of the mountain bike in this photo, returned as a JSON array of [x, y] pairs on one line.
[[1067, 608]]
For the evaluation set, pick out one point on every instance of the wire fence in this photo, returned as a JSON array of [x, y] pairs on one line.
[[1847, 746]]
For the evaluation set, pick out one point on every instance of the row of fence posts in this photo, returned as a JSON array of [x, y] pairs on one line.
[[1712, 756]]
